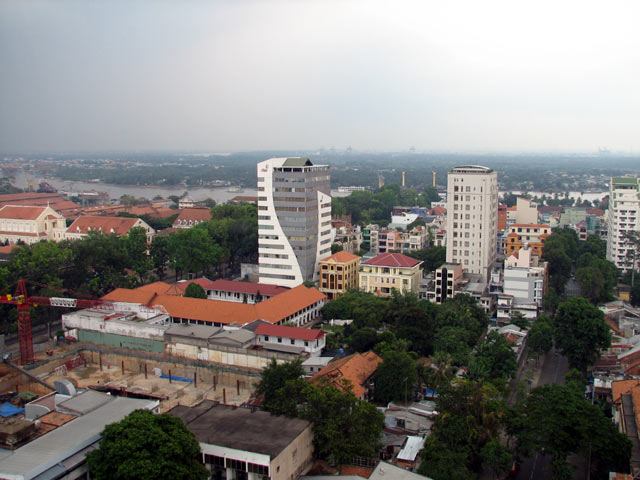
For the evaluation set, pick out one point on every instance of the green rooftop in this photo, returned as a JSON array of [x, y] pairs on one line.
[[624, 180], [297, 162]]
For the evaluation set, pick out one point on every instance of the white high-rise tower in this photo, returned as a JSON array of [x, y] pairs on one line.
[[472, 218], [623, 217], [294, 220]]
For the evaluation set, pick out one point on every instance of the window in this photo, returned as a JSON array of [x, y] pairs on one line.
[[266, 338], [279, 340], [293, 341]]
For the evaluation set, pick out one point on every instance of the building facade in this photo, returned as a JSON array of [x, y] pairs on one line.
[[624, 217], [294, 220], [387, 271], [521, 234], [472, 218], [29, 225], [339, 273]]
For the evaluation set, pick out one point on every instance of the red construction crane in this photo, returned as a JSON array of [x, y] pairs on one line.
[[24, 302]]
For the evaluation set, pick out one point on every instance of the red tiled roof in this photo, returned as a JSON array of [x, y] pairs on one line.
[[356, 369], [287, 303], [289, 332], [622, 386], [203, 282], [246, 287], [118, 225], [340, 257], [438, 210], [21, 212], [7, 249], [193, 215], [392, 260], [273, 310]]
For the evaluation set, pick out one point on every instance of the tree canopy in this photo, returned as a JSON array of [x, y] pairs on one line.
[[147, 447], [580, 332]]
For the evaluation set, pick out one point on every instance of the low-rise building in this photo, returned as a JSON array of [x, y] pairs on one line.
[[231, 291], [120, 226], [354, 372], [190, 217], [298, 306], [290, 339], [338, 274], [387, 271], [446, 283], [60, 452], [521, 234], [253, 445], [19, 223], [525, 279]]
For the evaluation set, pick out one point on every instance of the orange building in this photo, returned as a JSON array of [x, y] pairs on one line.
[[502, 217], [339, 273], [527, 233]]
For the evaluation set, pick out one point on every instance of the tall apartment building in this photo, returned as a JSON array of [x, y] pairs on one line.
[[294, 220], [624, 216], [472, 218]]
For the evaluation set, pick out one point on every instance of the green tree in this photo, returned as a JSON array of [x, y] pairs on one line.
[[335, 248], [159, 252], [454, 341], [363, 339], [395, 377], [560, 421], [344, 427], [580, 332], [136, 246], [496, 354], [496, 457], [273, 379], [146, 446], [432, 257], [540, 337], [194, 290]]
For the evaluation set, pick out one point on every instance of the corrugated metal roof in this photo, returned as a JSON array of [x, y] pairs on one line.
[[411, 449], [46, 452]]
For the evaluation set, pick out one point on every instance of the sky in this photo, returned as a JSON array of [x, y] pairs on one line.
[[450, 76]]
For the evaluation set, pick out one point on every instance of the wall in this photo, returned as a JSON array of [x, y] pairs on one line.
[[234, 357], [296, 459], [113, 340]]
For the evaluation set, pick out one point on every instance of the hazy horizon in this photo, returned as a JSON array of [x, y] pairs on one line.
[[463, 77]]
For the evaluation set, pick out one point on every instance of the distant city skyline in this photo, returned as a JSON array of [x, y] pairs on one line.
[[220, 76]]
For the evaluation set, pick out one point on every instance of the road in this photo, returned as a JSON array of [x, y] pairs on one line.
[[538, 466]]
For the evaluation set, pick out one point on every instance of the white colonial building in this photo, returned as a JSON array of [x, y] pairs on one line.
[[20, 223]]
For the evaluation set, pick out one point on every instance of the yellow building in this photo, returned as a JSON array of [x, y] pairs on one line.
[[390, 270], [521, 234], [339, 273]]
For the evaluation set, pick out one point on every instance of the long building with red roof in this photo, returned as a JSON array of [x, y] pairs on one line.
[[231, 291], [82, 226], [297, 306]]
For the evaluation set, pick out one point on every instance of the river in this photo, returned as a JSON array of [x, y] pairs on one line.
[[219, 194]]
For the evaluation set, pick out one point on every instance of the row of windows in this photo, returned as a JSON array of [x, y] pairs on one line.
[[276, 266], [289, 180], [289, 189], [289, 199], [274, 255], [280, 277]]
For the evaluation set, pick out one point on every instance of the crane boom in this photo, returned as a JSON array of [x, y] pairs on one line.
[[24, 303]]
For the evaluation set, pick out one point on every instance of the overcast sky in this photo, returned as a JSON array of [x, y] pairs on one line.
[[302, 74]]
